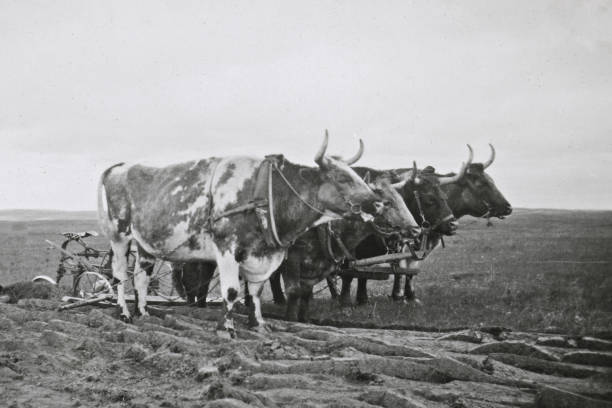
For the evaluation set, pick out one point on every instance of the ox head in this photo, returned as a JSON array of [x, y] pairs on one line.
[[395, 217], [342, 191], [427, 201], [479, 197]]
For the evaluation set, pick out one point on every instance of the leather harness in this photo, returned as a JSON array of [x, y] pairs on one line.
[[263, 202]]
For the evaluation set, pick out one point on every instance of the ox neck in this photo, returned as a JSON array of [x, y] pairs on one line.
[[456, 202], [292, 216]]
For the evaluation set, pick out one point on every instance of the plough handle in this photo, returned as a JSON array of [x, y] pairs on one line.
[[70, 255]]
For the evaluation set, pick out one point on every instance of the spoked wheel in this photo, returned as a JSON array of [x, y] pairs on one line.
[[161, 283], [106, 264], [90, 285]]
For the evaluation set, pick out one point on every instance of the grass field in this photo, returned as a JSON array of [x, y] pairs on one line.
[[537, 270]]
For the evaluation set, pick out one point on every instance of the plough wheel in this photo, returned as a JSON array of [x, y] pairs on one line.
[[161, 283], [91, 284]]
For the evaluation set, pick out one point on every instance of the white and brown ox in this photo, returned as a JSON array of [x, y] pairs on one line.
[[212, 210]]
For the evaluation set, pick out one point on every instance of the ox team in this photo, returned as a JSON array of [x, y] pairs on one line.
[[250, 217]]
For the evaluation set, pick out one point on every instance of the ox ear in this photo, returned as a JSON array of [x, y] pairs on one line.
[[367, 178]]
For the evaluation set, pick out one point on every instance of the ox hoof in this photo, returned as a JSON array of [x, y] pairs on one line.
[[139, 313], [414, 302], [226, 329], [125, 318], [261, 329]]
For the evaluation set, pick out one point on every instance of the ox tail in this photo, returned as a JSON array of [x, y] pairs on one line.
[[104, 215]]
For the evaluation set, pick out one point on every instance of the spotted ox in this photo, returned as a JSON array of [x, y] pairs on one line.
[[434, 211], [192, 212], [309, 260]]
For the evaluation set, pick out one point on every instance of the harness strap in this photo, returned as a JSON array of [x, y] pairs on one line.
[[417, 197], [343, 248], [326, 244], [259, 203], [242, 208], [271, 207]]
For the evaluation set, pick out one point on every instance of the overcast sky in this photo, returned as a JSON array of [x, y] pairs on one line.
[[85, 84]]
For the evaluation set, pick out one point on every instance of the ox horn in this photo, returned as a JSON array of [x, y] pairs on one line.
[[410, 178], [490, 161], [321, 153], [356, 157], [464, 167], [415, 171]]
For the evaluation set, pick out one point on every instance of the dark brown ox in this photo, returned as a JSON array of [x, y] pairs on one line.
[[309, 260], [192, 280], [474, 194], [180, 213], [430, 210], [433, 212]]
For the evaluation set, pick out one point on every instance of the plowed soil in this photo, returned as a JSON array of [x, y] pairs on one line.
[[87, 357]]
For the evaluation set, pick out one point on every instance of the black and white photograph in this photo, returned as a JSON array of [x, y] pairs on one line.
[[317, 204]]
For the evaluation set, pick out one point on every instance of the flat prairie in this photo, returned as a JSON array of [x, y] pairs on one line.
[[544, 270]]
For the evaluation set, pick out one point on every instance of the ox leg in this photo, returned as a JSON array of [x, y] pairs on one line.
[[256, 320], [207, 271], [291, 271], [142, 274], [362, 291], [229, 284], [121, 248], [396, 293], [409, 291], [277, 290], [305, 297], [345, 293], [190, 280], [293, 303], [248, 299]]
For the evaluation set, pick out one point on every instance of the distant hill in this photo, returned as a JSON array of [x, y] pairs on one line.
[[58, 215], [44, 215]]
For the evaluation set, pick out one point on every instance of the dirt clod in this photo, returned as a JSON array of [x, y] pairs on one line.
[[206, 371], [136, 352], [178, 361]]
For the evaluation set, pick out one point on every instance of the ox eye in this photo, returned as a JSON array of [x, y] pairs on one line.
[[429, 200]]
